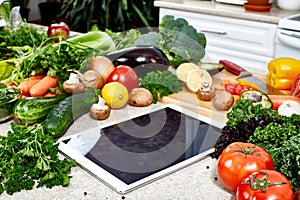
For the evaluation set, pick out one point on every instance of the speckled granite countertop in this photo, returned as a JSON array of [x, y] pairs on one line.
[[226, 10], [196, 182]]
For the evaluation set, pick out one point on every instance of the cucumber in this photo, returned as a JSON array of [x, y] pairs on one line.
[[36, 109], [212, 68], [66, 111]]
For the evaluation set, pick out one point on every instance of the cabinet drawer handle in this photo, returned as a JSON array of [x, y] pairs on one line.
[[214, 32]]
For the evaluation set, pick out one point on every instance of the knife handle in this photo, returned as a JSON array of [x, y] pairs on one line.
[[232, 67]]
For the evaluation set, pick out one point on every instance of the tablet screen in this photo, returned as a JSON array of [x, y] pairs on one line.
[[137, 148]]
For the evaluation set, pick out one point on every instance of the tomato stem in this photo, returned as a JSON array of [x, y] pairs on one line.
[[247, 150], [261, 184]]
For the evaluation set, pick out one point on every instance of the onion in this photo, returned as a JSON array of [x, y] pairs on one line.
[[102, 65]]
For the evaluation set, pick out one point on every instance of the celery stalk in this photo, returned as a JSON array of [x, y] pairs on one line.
[[97, 40]]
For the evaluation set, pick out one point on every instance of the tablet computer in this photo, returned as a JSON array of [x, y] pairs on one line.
[[135, 150]]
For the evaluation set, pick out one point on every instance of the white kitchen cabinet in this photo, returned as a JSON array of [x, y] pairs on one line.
[[250, 44]]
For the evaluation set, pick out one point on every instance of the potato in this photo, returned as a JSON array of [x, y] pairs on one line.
[[140, 97], [223, 100]]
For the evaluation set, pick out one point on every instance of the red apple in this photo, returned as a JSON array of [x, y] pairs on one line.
[[59, 29]]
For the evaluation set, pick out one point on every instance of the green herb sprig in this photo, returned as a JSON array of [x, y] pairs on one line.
[[26, 34], [243, 110], [53, 60], [28, 156]]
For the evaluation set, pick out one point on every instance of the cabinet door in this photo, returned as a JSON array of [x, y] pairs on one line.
[[239, 40], [254, 63], [229, 33]]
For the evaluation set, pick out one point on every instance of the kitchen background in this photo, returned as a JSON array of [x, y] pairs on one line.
[[282, 36]]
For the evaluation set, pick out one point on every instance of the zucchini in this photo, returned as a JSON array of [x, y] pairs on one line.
[[66, 111], [35, 109]]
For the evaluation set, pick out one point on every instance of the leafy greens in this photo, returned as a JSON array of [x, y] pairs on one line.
[[29, 155], [25, 34], [53, 60], [279, 135], [161, 83], [282, 141]]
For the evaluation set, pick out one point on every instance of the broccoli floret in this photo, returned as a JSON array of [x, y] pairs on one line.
[[177, 39], [151, 39], [180, 41]]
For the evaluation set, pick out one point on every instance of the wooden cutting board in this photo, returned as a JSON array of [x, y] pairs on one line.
[[190, 101]]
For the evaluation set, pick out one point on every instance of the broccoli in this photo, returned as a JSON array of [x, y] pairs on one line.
[[177, 39], [151, 39]]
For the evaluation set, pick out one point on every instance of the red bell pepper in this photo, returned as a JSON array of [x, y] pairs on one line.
[[295, 90]]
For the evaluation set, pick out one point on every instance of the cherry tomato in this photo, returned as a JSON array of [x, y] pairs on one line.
[[125, 75], [240, 159], [266, 185]]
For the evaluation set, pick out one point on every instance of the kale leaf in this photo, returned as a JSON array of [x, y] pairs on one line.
[[282, 141], [161, 83]]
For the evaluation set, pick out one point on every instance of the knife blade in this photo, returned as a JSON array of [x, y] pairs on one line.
[[246, 76]]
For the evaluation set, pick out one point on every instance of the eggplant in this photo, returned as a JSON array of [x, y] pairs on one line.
[[138, 55], [142, 59]]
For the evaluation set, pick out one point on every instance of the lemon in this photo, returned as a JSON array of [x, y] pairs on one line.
[[196, 78], [115, 95], [183, 70]]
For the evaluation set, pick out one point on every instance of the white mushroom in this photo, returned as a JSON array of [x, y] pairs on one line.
[[73, 85], [100, 110]]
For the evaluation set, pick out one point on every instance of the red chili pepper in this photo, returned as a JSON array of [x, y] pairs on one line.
[[295, 90]]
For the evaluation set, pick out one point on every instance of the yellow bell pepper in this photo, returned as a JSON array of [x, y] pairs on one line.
[[284, 67], [282, 72], [243, 82], [279, 83]]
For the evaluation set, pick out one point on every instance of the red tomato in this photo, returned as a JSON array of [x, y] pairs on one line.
[[230, 87], [245, 88], [297, 195], [266, 185], [236, 88], [239, 89], [239, 160], [125, 75]]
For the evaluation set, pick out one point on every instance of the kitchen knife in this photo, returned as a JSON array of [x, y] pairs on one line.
[[244, 75]]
